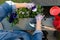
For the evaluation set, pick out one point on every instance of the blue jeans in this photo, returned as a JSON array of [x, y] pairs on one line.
[[14, 35], [7, 35]]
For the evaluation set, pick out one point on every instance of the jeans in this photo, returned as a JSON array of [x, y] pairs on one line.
[[7, 35]]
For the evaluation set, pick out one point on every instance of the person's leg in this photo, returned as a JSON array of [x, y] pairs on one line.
[[24, 35], [37, 35]]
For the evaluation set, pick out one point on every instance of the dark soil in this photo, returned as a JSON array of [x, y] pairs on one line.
[[46, 11]]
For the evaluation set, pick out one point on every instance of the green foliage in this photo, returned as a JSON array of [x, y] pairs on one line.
[[21, 1], [2, 1], [26, 13]]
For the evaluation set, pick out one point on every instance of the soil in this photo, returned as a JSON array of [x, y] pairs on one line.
[[46, 11]]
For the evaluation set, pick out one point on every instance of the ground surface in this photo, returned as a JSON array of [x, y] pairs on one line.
[[47, 2]]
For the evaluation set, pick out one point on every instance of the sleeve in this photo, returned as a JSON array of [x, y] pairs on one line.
[[6, 8], [12, 4], [37, 35]]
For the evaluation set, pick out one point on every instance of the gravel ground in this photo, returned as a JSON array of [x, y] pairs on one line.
[[47, 2]]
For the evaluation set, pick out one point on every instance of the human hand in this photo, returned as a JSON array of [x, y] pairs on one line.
[[39, 17], [31, 6]]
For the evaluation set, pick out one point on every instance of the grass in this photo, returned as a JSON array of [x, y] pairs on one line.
[[2, 1], [19, 1]]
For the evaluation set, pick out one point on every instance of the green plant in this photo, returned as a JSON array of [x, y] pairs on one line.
[[26, 13]]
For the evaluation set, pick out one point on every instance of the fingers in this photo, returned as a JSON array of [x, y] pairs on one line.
[[30, 5], [39, 17]]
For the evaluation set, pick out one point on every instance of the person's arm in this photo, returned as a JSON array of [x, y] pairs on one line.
[[38, 25], [17, 5], [20, 5], [37, 35], [50, 28]]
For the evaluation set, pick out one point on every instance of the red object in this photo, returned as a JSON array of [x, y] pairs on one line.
[[56, 22], [55, 10]]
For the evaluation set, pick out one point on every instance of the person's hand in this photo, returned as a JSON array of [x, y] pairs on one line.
[[30, 5], [39, 17]]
